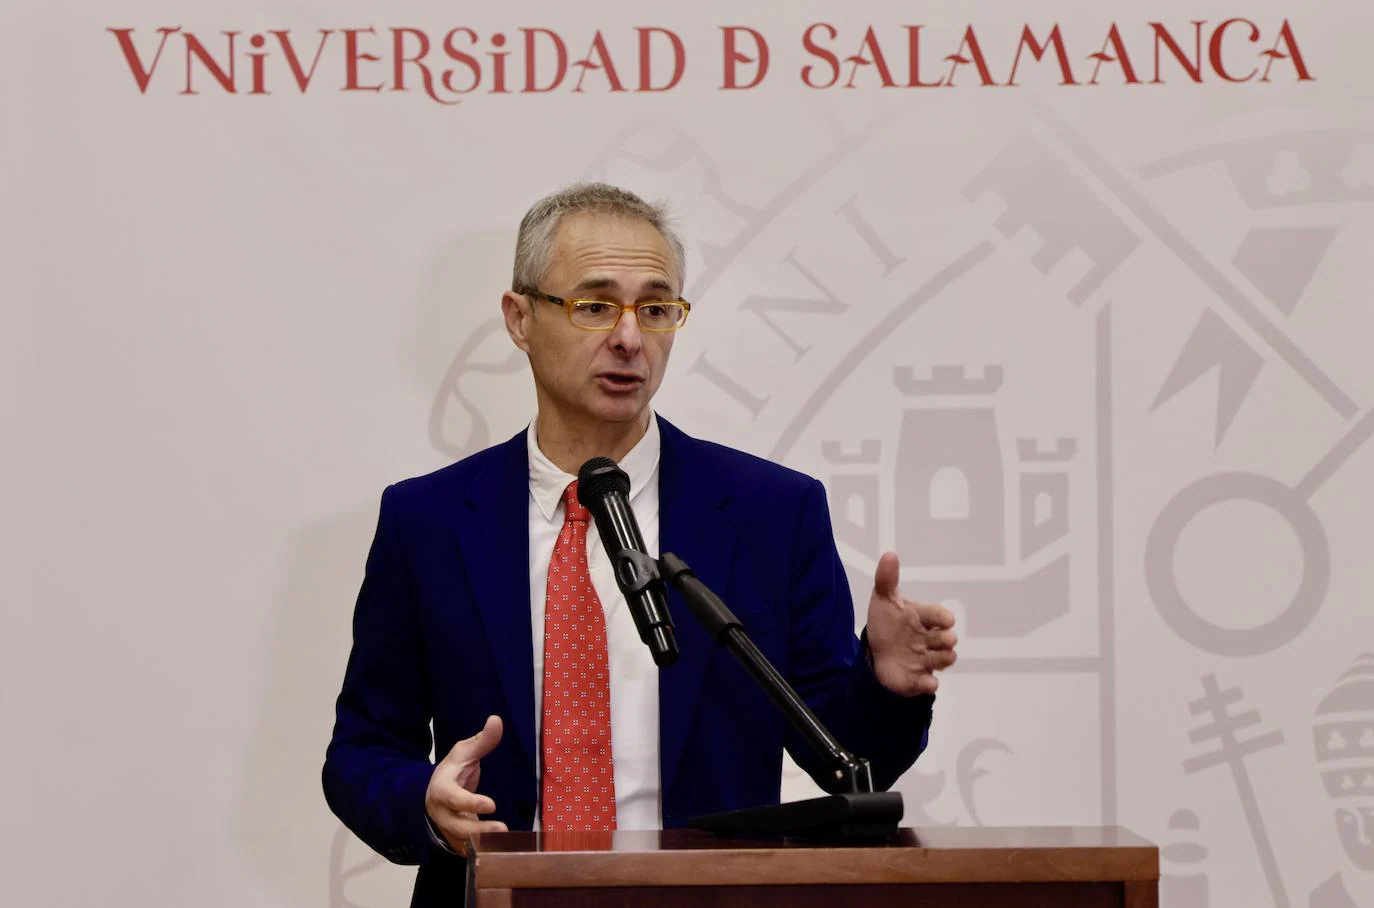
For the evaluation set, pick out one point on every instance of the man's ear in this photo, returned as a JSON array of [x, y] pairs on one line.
[[518, 313]]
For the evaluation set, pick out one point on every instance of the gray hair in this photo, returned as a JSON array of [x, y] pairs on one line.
[[534, 242]]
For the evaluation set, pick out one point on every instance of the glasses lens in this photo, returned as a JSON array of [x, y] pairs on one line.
[[661, 316], [591, 314]]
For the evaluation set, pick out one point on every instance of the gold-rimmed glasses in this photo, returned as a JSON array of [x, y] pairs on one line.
[[600, 315]]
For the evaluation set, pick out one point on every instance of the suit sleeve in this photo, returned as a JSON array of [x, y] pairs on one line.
[[829, 667], [377, 765]]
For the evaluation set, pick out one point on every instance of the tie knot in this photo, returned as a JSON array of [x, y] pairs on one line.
[[574, 512]]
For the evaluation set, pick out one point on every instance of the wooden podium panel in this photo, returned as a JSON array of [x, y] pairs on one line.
[[952, 867]]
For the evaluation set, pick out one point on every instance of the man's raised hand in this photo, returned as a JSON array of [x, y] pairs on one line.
[[909, 641], [451, 800]]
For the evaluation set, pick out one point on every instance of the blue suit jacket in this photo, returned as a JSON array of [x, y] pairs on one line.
[[442, 632]]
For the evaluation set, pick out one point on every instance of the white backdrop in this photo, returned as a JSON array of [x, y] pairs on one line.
[[1092, 358]]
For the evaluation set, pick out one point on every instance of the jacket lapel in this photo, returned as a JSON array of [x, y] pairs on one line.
[[495, 551], [695, 525]]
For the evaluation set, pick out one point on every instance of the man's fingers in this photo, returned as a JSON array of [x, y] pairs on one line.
[[888, 574], [918, 644], [922, 683], [940, 659], [941, 639], [935, 616], [456, 800], [456, 829], [480, 744], [485, 741], [469, 775]]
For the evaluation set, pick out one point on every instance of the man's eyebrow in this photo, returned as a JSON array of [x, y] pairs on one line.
[[603, 283], [594, 283]]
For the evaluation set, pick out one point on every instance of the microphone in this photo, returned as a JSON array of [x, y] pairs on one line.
[[603, 489]]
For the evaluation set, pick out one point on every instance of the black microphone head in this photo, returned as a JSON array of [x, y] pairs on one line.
[[599, 476]]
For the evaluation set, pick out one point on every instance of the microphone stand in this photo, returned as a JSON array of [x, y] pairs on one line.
[[853, 810]]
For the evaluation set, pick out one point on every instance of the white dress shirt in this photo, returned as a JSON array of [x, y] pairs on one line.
[[634, 677]]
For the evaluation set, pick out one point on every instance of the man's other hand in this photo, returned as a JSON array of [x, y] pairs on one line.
[[451, 800], [909, 641]]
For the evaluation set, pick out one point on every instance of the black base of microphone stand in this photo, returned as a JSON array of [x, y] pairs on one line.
[[863, 816]]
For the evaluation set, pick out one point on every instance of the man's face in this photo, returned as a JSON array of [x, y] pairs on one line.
[[605, 376]]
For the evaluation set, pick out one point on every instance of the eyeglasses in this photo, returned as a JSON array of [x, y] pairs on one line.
[[599, 315]]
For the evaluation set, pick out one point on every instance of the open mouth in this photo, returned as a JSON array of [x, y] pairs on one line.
[[623, 381]]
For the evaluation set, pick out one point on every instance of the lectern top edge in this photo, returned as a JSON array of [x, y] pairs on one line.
[[692, 858]]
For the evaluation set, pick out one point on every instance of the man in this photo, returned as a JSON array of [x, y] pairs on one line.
[[488, 607]]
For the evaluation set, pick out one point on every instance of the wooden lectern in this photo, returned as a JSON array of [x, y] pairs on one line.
[[949, 867]]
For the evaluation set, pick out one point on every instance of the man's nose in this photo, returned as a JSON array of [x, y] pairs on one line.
[[625, 336]]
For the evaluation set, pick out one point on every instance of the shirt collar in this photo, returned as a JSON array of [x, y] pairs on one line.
[[547, 481]]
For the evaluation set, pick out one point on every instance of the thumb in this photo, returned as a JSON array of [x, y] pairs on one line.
[[885, 578], [480, 744]]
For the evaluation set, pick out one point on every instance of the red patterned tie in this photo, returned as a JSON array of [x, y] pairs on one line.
[[579, 780]]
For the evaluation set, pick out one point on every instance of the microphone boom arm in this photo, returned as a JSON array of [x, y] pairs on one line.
[[845, 772]]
